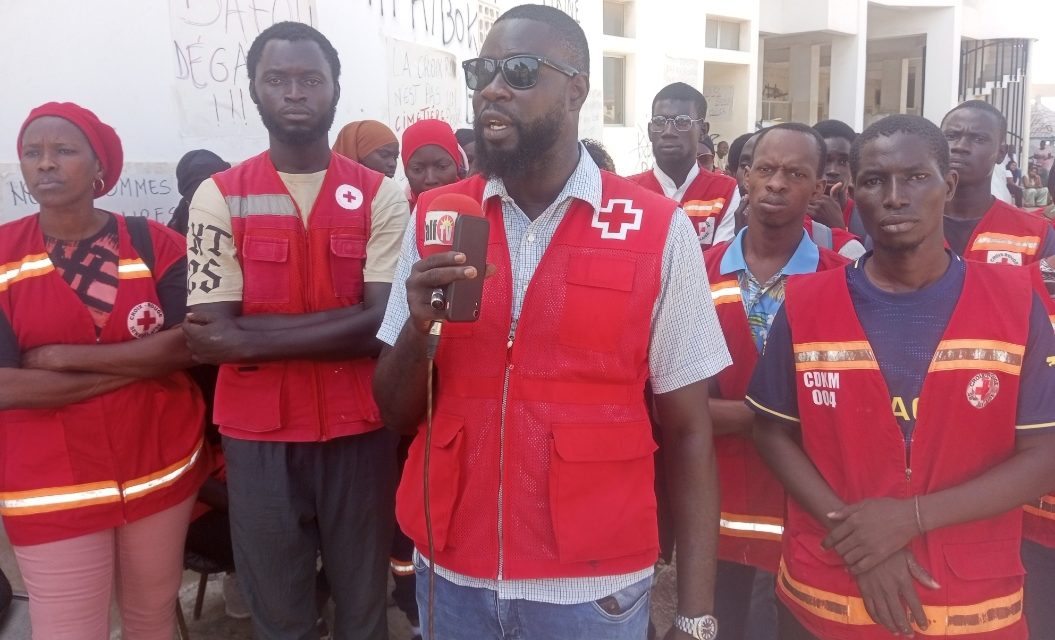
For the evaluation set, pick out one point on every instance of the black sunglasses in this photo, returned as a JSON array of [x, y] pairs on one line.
[[519, 71]]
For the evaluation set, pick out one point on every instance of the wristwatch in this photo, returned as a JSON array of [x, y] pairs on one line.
[[702, 628]]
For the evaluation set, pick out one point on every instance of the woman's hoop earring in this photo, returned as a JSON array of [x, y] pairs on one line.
[[101, 185]]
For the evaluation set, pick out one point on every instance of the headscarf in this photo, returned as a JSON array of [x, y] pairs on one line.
[[359, 139], [194, 168], [425, 132], [101, 137]]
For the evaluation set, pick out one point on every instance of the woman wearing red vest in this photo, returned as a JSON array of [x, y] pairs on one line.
[[906, 404], [101, 428]]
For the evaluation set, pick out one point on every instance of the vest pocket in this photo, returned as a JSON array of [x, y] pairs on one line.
[[597, 287], [249, 397], [265, 269], [984, 570], [37, 454], [444, 479], [601, 489], [347, 258]]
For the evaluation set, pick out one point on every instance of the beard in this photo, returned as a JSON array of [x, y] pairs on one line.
[[533, 141], [298, 137]]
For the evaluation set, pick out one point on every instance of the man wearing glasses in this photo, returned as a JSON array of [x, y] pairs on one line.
[[542, 503], [679, 114]]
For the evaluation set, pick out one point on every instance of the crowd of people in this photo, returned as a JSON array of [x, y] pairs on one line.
[[811, 367]]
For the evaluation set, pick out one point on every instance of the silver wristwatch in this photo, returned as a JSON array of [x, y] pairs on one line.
[[702, 628]]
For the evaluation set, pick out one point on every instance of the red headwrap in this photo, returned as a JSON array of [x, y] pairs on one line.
[[425, 132], [102, 137]]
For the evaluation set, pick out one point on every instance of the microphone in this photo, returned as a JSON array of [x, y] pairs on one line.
[[438, 237]]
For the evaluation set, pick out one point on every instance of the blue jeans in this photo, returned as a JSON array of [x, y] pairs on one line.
[[478, 614]]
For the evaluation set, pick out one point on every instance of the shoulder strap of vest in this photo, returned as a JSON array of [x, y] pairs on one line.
[[139, 233], [822, 235]]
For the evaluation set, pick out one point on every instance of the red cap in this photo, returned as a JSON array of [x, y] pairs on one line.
[[101, 136]]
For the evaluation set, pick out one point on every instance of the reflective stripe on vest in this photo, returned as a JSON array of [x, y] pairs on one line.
[[989, 615], [132, 269], [748, 526], [704, 208], [1005, 242], [277, 204], [25, 503], [978, 354], [725, 291], [835, 356], [1043, 508], [28, 267]]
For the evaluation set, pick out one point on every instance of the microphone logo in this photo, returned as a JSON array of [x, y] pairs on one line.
[[439, 228]]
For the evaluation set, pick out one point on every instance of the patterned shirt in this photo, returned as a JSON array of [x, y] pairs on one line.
[[89, 266], [762, 300], [686, 347]]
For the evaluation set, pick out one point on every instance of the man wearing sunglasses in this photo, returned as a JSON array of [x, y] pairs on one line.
[[679, 114], [542, 502]]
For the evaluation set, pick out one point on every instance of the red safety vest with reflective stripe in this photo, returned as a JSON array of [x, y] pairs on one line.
[[752, 516], [288, 268], [1038, 522], [705, 201], [108, 460], [965, 425], [1006, 235], [541, 463]]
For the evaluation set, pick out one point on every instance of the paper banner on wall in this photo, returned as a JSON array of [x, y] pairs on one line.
[[685, 70], [145, 190], [210, 40], [423, 83], [719, 101]]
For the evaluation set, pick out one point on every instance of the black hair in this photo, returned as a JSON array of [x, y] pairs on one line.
[[561, 25], [465, 136], [836, 129], [682, 91], [984, 107], [798, 127], [599, 154], [736, 147], [292, 31], [915, 126]]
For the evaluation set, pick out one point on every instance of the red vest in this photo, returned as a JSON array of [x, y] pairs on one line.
[[112, 459], [542, 460], [1038, 523], [705, 201], [1007, 235], [752, 517], [288, 268], [965, 425]]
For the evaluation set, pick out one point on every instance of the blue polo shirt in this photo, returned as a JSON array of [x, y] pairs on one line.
[[762, 300]]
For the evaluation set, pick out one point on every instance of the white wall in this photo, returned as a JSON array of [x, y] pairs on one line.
[[130, 61]]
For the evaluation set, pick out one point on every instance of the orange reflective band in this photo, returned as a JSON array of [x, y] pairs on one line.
[[986, 616], [31, 266], [132, 269], [703, 208], [834, 356], [1004, 242], [1043, 508], [978, 354], [755, 527], [169, 475], [27, 503], [725, 292]]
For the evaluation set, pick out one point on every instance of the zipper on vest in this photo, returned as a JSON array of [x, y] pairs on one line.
[[502, 447], [908, 460]]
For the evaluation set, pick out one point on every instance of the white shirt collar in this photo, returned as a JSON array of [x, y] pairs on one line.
[[671, 190]]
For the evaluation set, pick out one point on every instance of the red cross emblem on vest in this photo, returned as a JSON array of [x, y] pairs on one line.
[[146, 318], [349, 197], [616, 218]]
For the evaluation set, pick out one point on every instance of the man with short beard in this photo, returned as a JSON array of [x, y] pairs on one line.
[[291, 256], [542, 503]]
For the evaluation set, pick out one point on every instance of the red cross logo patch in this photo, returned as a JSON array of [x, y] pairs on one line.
[[349, 197], [616, 218], [145, 319]]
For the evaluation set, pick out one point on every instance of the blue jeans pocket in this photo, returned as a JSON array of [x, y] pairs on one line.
[[623, 604]]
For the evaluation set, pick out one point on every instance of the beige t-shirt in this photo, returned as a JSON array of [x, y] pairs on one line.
[[213, 271]]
